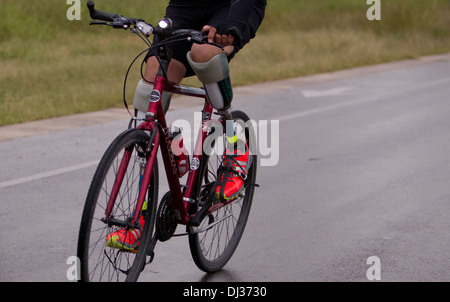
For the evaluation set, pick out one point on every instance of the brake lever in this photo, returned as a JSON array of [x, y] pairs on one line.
[[119, 22], [215, 44], [202, 38], [99, 23]]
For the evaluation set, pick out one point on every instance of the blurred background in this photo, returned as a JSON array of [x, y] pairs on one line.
[[50, 66]]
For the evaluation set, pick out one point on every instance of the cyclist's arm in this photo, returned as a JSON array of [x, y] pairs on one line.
[[225, 33], [240, 13]]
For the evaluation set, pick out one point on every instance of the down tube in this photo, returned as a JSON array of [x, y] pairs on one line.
[[146, 179]]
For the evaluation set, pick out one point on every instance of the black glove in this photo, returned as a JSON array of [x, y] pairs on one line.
[[230, 28]]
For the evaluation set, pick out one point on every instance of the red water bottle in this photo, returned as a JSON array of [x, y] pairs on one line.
[[180, 152]]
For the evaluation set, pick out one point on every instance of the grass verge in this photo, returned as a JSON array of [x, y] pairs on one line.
[[54, 67]]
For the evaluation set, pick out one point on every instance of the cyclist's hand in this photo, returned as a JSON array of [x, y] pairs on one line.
[[214, 36]]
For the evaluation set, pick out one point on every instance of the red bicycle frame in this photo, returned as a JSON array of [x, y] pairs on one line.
[[155, 122]]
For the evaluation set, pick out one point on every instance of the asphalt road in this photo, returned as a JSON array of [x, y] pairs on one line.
[[361, 174]]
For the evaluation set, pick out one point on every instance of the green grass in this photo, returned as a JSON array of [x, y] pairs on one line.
[[53, 67]]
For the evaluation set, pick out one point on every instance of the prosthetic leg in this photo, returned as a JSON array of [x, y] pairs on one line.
[[215, 76], [231, 175], [142, 99]]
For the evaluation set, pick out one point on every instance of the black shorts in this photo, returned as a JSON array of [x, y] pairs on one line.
[[195, 15]]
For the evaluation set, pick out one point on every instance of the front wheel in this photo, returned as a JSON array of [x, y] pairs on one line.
[[213, 243], [100, 262]]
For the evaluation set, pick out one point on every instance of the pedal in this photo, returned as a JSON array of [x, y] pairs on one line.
[[152, 256]]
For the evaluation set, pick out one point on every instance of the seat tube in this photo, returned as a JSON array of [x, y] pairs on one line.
[[198, 154]]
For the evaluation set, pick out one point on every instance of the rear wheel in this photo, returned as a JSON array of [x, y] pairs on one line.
[[98, 261], [213, 243]]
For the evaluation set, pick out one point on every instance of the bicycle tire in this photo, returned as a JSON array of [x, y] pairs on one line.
[[212, 249], [97, 261]]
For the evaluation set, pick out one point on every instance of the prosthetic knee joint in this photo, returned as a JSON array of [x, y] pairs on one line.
[[215, 76], [142, 97]]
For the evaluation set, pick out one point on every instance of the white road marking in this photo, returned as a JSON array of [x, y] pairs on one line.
[[367, 99], [326, 92], [287, 117], [51, 173]]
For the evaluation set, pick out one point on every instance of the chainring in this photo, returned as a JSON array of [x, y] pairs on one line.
[[166, 219]]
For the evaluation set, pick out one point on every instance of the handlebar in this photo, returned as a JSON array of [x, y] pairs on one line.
[[100, 15], [164, 29]]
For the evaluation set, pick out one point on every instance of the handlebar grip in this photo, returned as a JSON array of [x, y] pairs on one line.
[[100, 15]]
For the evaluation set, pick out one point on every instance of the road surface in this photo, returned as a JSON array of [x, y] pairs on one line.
[[354, 187]]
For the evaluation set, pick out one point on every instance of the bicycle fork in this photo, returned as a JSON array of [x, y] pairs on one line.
[[144, 180]]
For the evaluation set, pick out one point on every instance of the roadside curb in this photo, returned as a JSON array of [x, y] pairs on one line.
[[11, 132]]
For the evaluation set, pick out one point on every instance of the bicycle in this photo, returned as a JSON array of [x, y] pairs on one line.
[[125, 185]]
